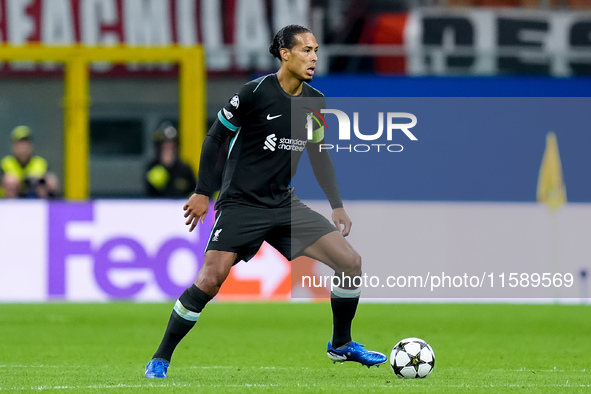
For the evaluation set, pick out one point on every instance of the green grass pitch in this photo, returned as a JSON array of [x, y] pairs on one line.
[[280, 347]]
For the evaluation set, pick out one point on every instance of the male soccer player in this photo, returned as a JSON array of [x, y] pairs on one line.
[[256, 203]]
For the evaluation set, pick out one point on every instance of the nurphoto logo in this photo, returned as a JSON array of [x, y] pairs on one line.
[[315, 120]]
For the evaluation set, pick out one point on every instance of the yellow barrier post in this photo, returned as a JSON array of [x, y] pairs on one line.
[[76, 133], [192, 107]]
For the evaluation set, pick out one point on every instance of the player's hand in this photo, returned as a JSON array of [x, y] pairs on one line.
[[341, 221], [196, 209]]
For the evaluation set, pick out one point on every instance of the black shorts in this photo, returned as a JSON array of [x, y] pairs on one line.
[[242, 229]]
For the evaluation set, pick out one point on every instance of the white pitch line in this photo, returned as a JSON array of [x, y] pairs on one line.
[[176, 367], [299, 385], [98, 387], [133, 386], [232, 367], [513, 385], [37, 366], [538, 370]]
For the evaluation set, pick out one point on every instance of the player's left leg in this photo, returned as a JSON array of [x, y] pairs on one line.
[[333, 250]]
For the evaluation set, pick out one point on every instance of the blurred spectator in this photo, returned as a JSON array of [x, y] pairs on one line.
[[23, 174], [167, 175]]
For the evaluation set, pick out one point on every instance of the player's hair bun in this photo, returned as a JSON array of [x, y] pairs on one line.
[[277, 44], [285, 39]]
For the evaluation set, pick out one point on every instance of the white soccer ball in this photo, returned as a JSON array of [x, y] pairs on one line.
[[412, 358]]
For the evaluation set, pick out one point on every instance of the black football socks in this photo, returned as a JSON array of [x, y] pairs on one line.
[[344, 305], [184, 316]]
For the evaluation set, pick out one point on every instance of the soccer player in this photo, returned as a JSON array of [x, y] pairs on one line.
[[256, 203]]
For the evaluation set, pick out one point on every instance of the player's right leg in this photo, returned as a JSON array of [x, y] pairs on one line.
[[237, 234], [186, 311]]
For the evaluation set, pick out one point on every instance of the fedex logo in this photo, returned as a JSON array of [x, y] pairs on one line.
[[123, 264]]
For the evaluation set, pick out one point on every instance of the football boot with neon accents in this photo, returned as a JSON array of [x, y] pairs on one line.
[[355, 352]]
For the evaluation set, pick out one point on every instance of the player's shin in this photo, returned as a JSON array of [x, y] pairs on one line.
[[344, 299], [185, 314]]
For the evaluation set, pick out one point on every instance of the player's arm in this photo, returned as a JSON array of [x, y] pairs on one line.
[[228, 122], [217, 134], [198, 204], [327, 179]]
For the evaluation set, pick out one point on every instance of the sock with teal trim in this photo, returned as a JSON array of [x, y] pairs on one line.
[[184, 315]]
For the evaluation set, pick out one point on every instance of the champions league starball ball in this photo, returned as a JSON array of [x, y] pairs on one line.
[[412, 358]]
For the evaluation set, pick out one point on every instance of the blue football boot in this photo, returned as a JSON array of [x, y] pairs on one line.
[[157, 368], [355, 352]]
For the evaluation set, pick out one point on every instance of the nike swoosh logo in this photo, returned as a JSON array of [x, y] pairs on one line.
[[269, 117]]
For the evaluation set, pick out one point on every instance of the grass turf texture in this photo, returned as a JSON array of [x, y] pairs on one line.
[[277, 347]]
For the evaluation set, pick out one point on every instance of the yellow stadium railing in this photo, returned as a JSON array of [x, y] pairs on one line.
[[77, 58]]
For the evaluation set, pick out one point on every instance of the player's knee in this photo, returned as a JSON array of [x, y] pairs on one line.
[[351, 264], [356, 263], [210, 283], [211, 277]]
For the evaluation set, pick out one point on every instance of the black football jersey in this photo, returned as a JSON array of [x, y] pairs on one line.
[[265, 147]]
